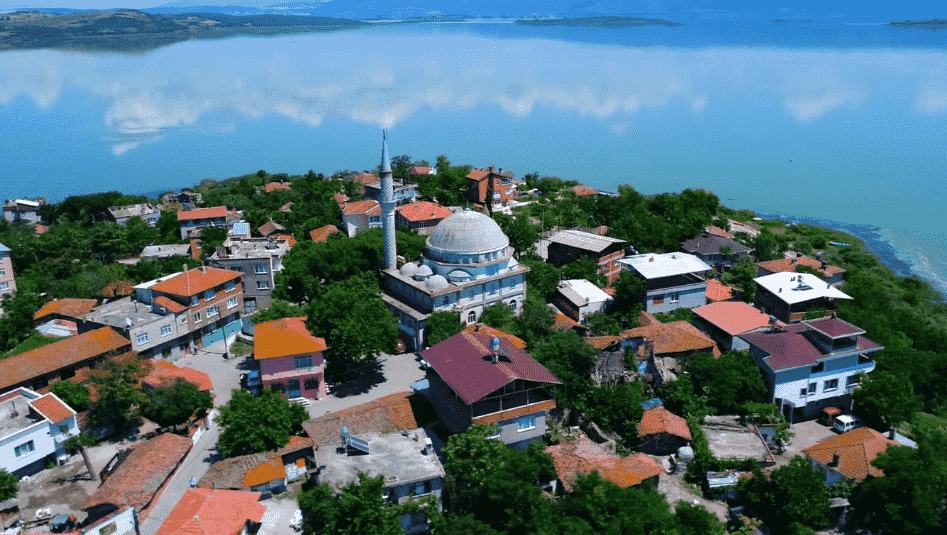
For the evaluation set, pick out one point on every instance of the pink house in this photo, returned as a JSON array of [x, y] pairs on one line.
[[290, 358]]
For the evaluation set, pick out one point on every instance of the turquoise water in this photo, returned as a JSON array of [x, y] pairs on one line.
[[844, 123]]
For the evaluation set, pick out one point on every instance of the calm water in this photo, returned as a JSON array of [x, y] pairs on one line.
[[843, 123]]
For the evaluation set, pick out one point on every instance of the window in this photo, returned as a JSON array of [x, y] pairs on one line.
[[194, 300], [311, 384], [4, 285], [261, 268], [802, 392], [262, 285], [659, 300], [445, 301], [525, 423], [675, 297], [249, 304], [512, 306], [472, 317], [183, 319], [422, 487], [853, 380], [24, 449], [142, 339], [374, 219], [209, 294], [3, 271], [230, 286], [166, 330], [197, 317], [303, 362], [232, 302], [812, 387], [213, 311], [830, 385]]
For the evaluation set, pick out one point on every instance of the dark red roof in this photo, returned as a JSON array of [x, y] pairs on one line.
[[464, 362], [786, 350], [834, 327]]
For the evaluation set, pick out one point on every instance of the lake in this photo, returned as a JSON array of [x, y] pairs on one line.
[[839, 123]]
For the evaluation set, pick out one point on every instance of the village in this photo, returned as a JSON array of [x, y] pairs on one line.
[[441, 359]]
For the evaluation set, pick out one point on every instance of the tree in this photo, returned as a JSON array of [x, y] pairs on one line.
[[885, 399], [359, 509], [601, 324], [522, 234], [795, 492], [441, 326], [583, 268], [570, 358], [598, 506], [741, 275], [542, 277], [278, 309], [729, 382], [497, 316], [75, 395], [119, 393], [401, 167], [533, 323], [173, 404], [257, 424], [9, 486], [443, 164], [629, 297], [16, 323], [766, 246], [696, 520], [81, 442]]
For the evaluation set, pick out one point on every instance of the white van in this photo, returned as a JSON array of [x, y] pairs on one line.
[[845, 423]]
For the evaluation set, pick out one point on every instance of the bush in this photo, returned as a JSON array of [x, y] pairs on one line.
[[75, 395]]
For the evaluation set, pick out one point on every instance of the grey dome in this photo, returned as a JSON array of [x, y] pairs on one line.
[[423, 272], [458, 275], [436, 282], [685, 452], [467, 232], [409, 269]]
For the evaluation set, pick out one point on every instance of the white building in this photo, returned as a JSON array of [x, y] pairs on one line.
[[789, 295], [33, 429], [147, 212], [577, 298], [674, 280]]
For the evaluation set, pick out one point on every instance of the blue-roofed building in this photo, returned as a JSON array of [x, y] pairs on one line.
[[259, 259], [7, 284], [241, 229]]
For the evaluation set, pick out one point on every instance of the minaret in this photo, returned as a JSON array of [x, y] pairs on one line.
[[388, 207]]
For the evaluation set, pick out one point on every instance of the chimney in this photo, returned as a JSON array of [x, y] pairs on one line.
[[835, 460], [891, 433], [490, 169]]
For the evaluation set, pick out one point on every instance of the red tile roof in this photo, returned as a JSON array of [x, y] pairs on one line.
[[273, 186], [674, 337], [340, 198], [58, 355], [321, 234], [287, 207], [285, 337], [733, 317], [561, 322], [69, 307], [365, 179], [464, 362], [39, 230], [718, 291], [213, 512], [165, 372], [856, 450], [420, 170], [288, 238], [169, 305], [264, 473], [368, 206], [478, 174], [584, 191], [717, 231], [423, 211], [195, 281], [53, 408], [203, 213], [660, 420], [582, 456], [136, 481], [387, 414], [270, 227], [790, 264], [490, 331]]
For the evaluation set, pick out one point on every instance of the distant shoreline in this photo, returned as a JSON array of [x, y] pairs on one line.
[[605, 21]]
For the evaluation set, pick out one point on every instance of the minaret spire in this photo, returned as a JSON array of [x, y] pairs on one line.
[[387, 206]]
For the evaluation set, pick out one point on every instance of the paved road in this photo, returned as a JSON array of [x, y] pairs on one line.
[[399, 371]]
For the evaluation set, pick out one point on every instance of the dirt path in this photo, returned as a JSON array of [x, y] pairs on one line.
[[674, 490]]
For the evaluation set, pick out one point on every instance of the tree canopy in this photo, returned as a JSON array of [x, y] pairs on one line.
[[75, 395], [119, 395], [173, 404], [795, 492], [253, 424]]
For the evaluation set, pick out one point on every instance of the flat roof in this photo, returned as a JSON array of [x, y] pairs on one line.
[[397, 457], [587, 290], [656, 266], [164, 251], [239, 249], [732, 442], [584, 240], [116, 313], [15, 414], [795, 288]]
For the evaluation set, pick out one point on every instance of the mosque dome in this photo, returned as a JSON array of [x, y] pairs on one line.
[[467, 233], [423, 272], [458, 275], [436, 282], [409, 269]]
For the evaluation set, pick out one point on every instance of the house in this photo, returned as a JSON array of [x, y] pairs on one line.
[[23, 210], [37, 368], [422, 171], [154, 252], [833, 275], [290, 359], [187, 198], [726, 321], [215, 512], [7, 282], [673, 280], [176, 314], [387, 414], [149, 213], [717, 231], [136, 481], [287, 208], [421, 216], [737, 227], [577, 298], [479, 180], [270, 187], [269, 228], [575, 456], [361, 215], [118, 289], [288, 238], [33, 430], [259, 260], [661, 432], [569, 246], [583, 192], [68, 308], [479, 379], [718, 292], [670, 343], [790, 296], [261, 472], [812, 365], [322, 234], [717, 251], [164, 373], [403, 192], [199, 218], [848, 456]]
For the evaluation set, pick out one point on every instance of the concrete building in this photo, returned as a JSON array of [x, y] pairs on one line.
[[154, 252], [147, 212], [259, 260], [23, 210], [7, 281], [673, 280], [360, 215], [290, 358], [718, 251], [401, 192], [478, 184], [421, 216], [577, 298], [33, 429], [726, 321], [192, 220], [790, 296], [833, 275], [569, 246]]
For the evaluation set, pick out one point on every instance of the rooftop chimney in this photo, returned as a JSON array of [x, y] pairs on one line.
[[835, 460]]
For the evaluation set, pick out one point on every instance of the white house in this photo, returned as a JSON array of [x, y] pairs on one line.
[[789, 296], [577, 298], [33, 428], [674, 280]]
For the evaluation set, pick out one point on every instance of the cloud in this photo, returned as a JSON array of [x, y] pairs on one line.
[[931, 101]]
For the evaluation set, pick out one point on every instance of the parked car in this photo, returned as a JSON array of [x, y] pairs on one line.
[[845, 423]]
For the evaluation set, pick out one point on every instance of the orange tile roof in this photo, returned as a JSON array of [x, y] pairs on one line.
[[582, 456], [169, 305], [270, 227], [58, 355], [368, 206], [53, 408], [423, 211], [584, 191], [561, 322], [717, 231], [213, 512], [856, 450], [790, 264], [264, 473], [195, 281], [321, 234], [660, 420], [718, 291], [365, 178], [340, 198], [165, 372], [420, 170], [295, 444], [733, 317], [601, 342], [646, 319], [39, 230], [478, 174], [203, 213], [69, 307], [136, 481], [490, 331], [674, 337], [285, 337], [274, 186], [196, 249], [118, 289], [288, 238], [387, 414]]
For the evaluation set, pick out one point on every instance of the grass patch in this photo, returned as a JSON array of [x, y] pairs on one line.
[[240, 348], [34, 341]]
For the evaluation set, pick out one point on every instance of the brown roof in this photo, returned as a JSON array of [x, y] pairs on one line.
[[785, 349], [195, 281], [270, 227], [321, 234], [601, 342], [660, 420], [169, 305], [365, 178], [582, 456], [340, 198], [423, 211], [273, 186], [287, 207], [58, 355], [790, 264], [561, 322], [464, 362], [490, 331], [203, 213], [710, 244], [717, 231], [383, 415], [584, 191], [69, 307], [834, 327], [265, 472], [246, 471], [285, 337], [420, 170], [856, 449], [213, 512], [165, 372], [118, 289], [53, 408], [733, 317], [368, 206], [135, 482], [480, 174], [718, 291], [674, 337], [40, 229]]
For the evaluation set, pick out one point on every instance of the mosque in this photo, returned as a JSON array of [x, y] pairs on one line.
[[467, 266]]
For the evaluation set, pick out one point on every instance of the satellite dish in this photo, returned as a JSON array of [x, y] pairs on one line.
[[495, 344]]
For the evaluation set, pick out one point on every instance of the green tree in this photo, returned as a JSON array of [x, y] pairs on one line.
[[766, 246], [278, 309], [16, 323], [598, 506], [885, 399], [583, 268], [533, 323], [173, 404], [498, 316], [522, 234], [729, 382], [257, 424], [75, 395], [9, 486], [629, 298], [359, 509], [542, 277], [741, 276], [570, 358], [119, 393], [441, 326], [601, 324], [696, 520], [795, 492]]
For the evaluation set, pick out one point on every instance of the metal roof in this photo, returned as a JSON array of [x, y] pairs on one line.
[[582, 292], [656, 266], [584, 240], [241, 228], [797, 288], [4, 248]]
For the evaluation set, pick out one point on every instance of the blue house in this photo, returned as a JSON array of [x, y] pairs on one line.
[[674, 280]]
